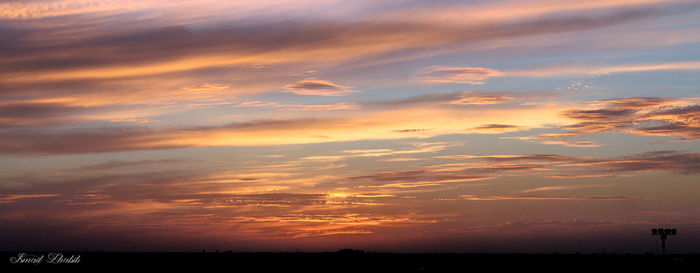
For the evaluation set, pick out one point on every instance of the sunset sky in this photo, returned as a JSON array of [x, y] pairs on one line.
[[408, 126]]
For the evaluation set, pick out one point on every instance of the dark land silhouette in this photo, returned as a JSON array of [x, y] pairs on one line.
[[350, 261]]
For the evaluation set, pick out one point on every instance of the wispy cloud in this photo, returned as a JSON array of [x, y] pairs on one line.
[[639, 115], [669, 161], [207, 87], [112, 165], [150, 58], [435, 118], [683, 163], [583, 70], [516, 197], [560, 188], [481, 75], [263, 200], [14, 197], [643, 116], [401, 159], [431, 176], [302, 107], [481, 99], [418, 148], [468, 75], [316, 87], [495, 128]]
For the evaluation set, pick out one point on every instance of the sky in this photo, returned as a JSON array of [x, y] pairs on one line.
[[405, 126]]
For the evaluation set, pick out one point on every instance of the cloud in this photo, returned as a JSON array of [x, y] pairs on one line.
[[315, 87], [401, 159], [481, 75], [495, 128], [513, 158], [570, 143], [670, 117], [252, 204], [683, 163], [685, 131], [587, 197], [468, 75], [670, 161], [372, 123], [111, 165], [582, 70], [80, 141], [682, 121], [14, 197], [490, 12], [577, 167], [29, 114], [585, 175], [208, 87], [300, 225], [679, 117], [116, 183], [134, 120], [599, 114], [481, 100], [633, 102], [560, 188], [42, 9], [186, 200], [109, 139], [147, 58], [301, 107], [264, 200], [410, 130], [418, 148], [428, 175], [467, 98], [431, 176]]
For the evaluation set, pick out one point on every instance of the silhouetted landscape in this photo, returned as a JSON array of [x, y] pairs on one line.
[[352, 261]]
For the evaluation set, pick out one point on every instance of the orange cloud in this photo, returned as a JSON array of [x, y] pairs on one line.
[[29, 114], [207, 87], [676, 117], [588, 197], [302, 107], [401, 159], [315, 87], [643, 116], [373, 124], [468, 75], [14, 197], [559, 188], [564, 71], [571, 143], [43, 9], [490, 12], [481, 100], [143, 62], [134, 120]]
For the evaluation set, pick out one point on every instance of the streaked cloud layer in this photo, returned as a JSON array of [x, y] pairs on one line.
[[319, 125]]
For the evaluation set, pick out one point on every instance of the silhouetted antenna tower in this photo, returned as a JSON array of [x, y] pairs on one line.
[[663, 233]]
